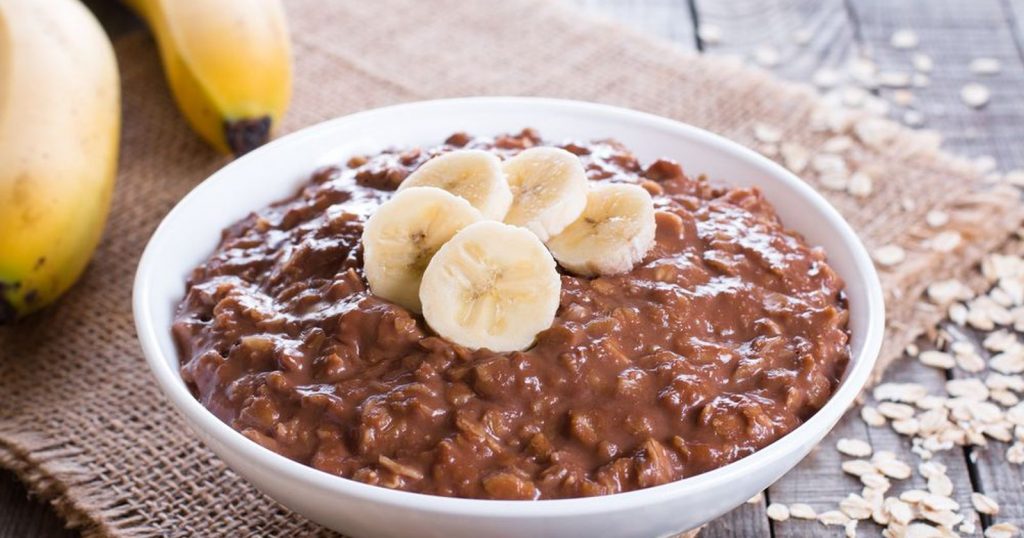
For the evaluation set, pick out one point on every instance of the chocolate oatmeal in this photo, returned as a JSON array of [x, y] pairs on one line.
[[729, 334]]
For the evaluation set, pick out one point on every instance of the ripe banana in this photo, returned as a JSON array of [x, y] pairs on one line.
[[60, 126], [615, 231], [491, 286], [228, 63], [549, 189], [400, 238], [473, 174]]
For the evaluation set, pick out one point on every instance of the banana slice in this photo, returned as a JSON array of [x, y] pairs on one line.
[[614, 233], [400, 238], [491, 286], [549, 189], [470, 173]]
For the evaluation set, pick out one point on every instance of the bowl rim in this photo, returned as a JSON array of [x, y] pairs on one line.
[[198, 416]]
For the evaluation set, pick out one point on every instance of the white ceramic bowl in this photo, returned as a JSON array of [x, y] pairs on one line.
[[191, 231]]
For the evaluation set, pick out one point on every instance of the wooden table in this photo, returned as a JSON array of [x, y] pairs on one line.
[[952, 32]]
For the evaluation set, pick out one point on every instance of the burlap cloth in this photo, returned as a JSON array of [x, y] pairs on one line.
[[81, 420]]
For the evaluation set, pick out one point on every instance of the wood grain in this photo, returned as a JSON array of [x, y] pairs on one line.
[[992, 474], [953, 33], [21, 516]]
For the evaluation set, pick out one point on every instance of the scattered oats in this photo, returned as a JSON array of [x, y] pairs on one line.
[[913, 118], [756, 499], [853, 447], [767, 56], [911, 349], [970, 362], [908, 204], [828, 162], [929, 469], [931, 402], [1004, 397], [794, 156], [904, 39], [874, 132], [872, 417], [958, 313], [974, 95], [1001, 340], [1002, 530], [980, 319], [826, 78], [900, 392], [946, 291], [899, 511], [940, 485], [894, 469], [906, 426], [850, 529], [938, 502], [937, 219], [855, 97], [837, 144], [709, 33], [921, 80], [913, 496], [777, 512], [833, 517], [863, 71], [834, 181], [855, 507], [903, 98], [895, 411], [933, 421], [985, 412], [946, 241], [984, 504], [971, 388], [1015, 454], [986, 66], [920, 530], [1015, 415], [875, 481], [936, 359], [1005, 382], [985, 164], [768, 134], [894, 79], [967, 527], [858, 468], [802, 36], [945, 518], [860, 185], [802, 511], [1010, 361], [923, 63], [889, 255], [1014, 177]]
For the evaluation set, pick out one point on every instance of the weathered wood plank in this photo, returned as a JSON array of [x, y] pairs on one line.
[[667, 19], [819, 482], [1015, 8], [746, 25], [21, 516], [994, 475], [953, 33]]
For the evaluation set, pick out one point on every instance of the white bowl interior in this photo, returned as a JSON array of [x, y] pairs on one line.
[[192, 230]]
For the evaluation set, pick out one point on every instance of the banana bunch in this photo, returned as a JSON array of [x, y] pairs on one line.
[[228, 63], [463, 241], [60, 117]]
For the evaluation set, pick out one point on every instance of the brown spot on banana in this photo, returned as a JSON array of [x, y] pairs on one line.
[[7, 311], [246, 134]]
